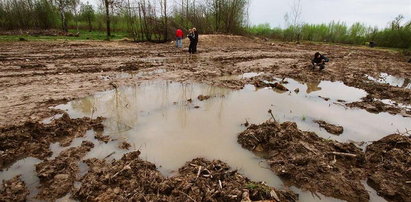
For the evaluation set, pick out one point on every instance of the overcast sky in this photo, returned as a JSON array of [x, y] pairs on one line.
[[371, 12]]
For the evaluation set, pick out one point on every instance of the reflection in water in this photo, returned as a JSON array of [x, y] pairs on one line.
[[392, 80], [159, 119], [313, 86]]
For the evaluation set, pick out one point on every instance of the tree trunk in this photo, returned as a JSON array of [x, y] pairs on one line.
[[107, 4], [165, 21], [89, 24], [63, 19]]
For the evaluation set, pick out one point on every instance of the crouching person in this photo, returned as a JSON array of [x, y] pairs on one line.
[[319, 60]]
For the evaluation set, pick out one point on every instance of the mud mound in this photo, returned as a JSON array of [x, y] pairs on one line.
[[390, 162], [33, 139], [331, 128], [131, 178], [14, 190], [57, 176], [372, 105], [305, 160]]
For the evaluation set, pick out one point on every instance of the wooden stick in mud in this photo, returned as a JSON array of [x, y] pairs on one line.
[[343, 154], [198, 172], [271, 112], [110, 154]]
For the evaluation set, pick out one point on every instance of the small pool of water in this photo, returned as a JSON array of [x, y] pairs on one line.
[[392, 80]]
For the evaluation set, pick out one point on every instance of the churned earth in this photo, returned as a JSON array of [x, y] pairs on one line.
[[36, 76]]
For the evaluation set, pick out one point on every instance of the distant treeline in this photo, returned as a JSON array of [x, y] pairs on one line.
[[396, 35], [153, 20], [156, 20]]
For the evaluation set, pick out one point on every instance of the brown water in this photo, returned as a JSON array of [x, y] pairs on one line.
[[156, 118]]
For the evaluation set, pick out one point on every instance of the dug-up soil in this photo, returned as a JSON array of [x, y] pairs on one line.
[[131, 178], [389, 167], [14, 190], [33, 138], [332, 168], [35, 75]]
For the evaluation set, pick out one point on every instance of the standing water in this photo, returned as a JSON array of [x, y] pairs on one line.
[[170, 126]]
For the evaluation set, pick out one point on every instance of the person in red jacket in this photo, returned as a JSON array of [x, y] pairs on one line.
[[179, 38]]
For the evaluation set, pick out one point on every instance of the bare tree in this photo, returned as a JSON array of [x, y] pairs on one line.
[[396, 23], [293, 19], [64, 6]]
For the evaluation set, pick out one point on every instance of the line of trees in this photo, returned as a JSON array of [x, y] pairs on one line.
[[150, 20], [396, 35]]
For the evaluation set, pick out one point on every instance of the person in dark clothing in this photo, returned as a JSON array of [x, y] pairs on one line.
[[319, 60], [191, 36], [195, 39]]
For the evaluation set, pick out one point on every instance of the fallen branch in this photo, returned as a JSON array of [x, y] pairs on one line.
[[109, 155], [198, 172], [343, 154]]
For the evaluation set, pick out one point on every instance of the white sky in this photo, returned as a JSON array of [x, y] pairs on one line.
[[371, 12]]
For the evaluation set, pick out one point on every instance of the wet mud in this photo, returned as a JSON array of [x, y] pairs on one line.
[[33, 138], [305, 160], [37, 75], [57, 176], [390, 162], [373, 105], [331, 128], [131, 178], [14, 190]]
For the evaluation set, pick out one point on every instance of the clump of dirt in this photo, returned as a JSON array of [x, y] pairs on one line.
[[390, 162], [307, 161], [124, 145], [279, 86], [331, 128], [57, 176], [104, 138], [14, 190], [203, 97], [33, 138], [261, 84], [375, 106], [131, 178]]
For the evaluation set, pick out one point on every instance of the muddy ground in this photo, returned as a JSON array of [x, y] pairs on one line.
[[131, 178], [37, 75], [332, 168]]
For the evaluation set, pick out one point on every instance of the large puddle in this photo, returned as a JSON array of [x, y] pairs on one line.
[[170, 126]]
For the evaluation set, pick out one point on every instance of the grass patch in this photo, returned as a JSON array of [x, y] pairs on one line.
[[83, 35]]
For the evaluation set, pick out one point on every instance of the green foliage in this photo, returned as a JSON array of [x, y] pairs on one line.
[[83, 35], [338, 32], [45, 14]]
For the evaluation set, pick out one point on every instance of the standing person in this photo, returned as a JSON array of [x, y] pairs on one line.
[[195, 39], [179, 38], [191, 36], [319, 60]]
